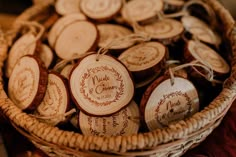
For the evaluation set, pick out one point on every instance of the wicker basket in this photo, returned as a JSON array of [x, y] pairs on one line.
[[173, 140]]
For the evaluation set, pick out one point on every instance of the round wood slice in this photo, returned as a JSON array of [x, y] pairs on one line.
[[206, 55], [141, 11], [144, 60], [101, 87], [76, 39], [46, 55], [67, 70], [58, 27], [165, 30], [26, 44], [101, 10], [164, 103], [110, 32], [200, 30], [65, 7], [55, 101], [124, 122], [27, 83]]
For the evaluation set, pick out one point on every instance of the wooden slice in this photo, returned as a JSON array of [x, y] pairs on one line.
[[65, 7], [141, 11], [204, 54], [75, 121], [164, 103], [76, 39], [26, 44], [46, 55], [173, 5], [101, 87], [166, 30], [200, 30], [124, 122], [55, 101], [110, 32], [27, 83], [58, 27], [101, 10], [67, 70], [144, 60]]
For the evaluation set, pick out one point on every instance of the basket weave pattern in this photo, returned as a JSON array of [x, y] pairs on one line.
[[174, 140]]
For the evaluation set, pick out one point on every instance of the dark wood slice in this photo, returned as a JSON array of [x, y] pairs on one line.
[[124, 122], [28, 82], [65, 7], [100, 10], [141, 11], [26, 44], [76, 39], [46, 55], [61, 23], [56, 100], [101, 87]]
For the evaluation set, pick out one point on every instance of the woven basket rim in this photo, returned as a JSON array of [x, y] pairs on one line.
[[150, 141]]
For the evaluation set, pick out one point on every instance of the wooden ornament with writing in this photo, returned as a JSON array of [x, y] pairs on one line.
[[124, 122], [145, 60], [100, 10], [101, 87], [56, 99], [65, 7], [76, 39], [164, 103], [28, 82]]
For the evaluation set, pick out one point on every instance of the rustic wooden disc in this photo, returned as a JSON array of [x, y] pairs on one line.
[[55, 101], [101, 87], [165, 30], [46, 55], [207, 56], [26, 44], [27, 83], [76, 39], [200, 30], [164, 103], [141, 11], [110, 32], [124, 122], [65, 7], [101, 10], [67, 70], [58, 27]]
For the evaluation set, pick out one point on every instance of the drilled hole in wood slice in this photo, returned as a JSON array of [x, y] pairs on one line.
[[206, 55], [110, 32], [27, 84], [61, 23], [124, 122], [26, 44], [200, 30], [76, 39], [55, 101], [164, 103], [101, 87], [139, 10], [65, 7], [100, 9], [46, 55]]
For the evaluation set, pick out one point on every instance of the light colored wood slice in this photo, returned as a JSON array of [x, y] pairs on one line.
[[207, 56], [140, 10], [28, 82], [76, 39], [65, 7], [101, 87], [110, 32], [164, 103], [165, 30], [67, 70], [101, 10], [124, 122], [200, 30], [55, 101], [26, 44], [61, 24], [46, 55]]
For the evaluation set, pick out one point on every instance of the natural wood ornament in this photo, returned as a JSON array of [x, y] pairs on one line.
[[101, 85], [65, 7], [28, 82], [46, 55]]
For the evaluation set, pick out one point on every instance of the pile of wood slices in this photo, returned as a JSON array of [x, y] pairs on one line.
[[115, 67]]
